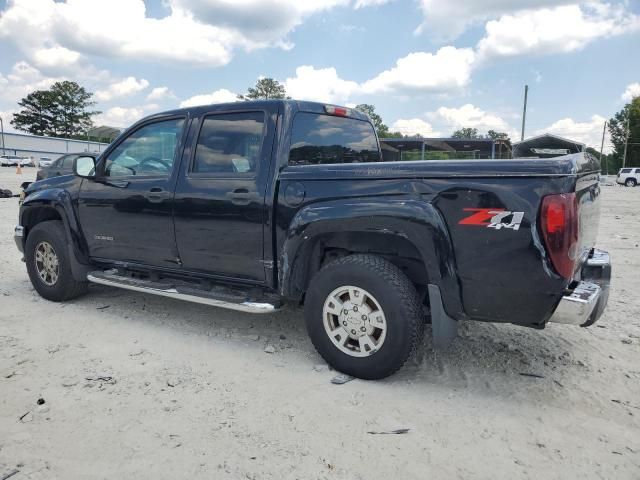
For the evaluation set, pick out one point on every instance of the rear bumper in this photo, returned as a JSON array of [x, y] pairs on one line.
[[584, 303]]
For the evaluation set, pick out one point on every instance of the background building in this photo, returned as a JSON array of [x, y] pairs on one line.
[[37, 147], [546, 146], [418, 148]]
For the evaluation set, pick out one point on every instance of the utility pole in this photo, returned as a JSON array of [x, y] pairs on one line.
[[626, 141], [2, 134], [604, 129], [524, 111]]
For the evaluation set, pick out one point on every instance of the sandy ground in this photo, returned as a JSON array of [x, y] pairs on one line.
[[137, 386]]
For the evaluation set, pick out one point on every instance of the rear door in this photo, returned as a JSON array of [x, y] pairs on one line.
[[219, 209]]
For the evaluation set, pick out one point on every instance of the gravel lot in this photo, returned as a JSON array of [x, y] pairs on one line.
[[137, 386]]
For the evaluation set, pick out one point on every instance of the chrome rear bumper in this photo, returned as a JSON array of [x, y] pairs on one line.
[[584, 303]]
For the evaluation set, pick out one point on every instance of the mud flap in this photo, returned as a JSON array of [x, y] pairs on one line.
[[444, 328]]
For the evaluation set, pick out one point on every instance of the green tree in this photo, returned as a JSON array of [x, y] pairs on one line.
[[63, 110], [466, 133], [381, 128], [36, 116], [265, 89], [71, 107], [493, 135], [618, 133], [393, 135]]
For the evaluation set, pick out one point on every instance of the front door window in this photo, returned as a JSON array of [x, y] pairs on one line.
[[149, 151]]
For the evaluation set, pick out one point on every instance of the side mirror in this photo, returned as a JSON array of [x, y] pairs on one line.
[[84, 167]]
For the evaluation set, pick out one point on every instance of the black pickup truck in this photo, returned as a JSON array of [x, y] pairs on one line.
[[255, 205]]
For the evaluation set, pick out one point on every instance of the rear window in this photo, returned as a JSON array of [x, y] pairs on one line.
[[322, 139], [625, 170]]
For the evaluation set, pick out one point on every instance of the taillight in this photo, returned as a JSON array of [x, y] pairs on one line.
[[338, 111], [559, 224]]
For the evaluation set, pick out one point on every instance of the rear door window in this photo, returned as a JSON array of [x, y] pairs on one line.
[[229, 144], [323, 139]]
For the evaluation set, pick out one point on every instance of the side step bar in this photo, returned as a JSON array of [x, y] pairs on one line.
[[189, 294]]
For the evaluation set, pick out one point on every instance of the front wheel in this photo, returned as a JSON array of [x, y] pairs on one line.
[[631, 182], [364, 316], [48, 263]]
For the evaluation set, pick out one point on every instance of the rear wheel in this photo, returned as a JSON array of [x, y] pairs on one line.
[[364, 316], [630, 182], [48, 263]]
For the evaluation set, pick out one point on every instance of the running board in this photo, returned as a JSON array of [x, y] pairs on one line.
[[189, 294]]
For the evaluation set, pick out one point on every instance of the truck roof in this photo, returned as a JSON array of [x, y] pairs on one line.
[[296, 105]]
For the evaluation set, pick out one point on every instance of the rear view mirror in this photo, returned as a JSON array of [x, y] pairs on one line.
[[84, 167]]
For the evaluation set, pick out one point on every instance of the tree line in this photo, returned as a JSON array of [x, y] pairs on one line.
[[66, 110]]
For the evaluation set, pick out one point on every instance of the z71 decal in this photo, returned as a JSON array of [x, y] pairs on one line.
[[497, 218]]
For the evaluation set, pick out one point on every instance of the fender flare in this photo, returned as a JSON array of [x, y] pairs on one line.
[[60, 200], [415, 220]]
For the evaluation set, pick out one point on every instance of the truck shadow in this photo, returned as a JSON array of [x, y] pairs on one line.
[[490, 356], [502, 359]]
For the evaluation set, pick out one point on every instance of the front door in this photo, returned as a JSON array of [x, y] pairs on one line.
[[219, 210], [126, 211]]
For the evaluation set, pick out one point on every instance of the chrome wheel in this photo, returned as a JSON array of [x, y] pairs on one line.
[[354, 321], [47, 263]]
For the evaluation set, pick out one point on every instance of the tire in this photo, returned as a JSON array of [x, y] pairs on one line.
[[383, 285], [630, 182], [62, 286]]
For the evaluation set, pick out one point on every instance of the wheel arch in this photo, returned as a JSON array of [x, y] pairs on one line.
[[55, 204], [409, 233]]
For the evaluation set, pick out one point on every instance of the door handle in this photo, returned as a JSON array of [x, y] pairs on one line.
[[241, 196], [156, 194]]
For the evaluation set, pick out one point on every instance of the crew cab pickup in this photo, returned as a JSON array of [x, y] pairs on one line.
[[257, 205]]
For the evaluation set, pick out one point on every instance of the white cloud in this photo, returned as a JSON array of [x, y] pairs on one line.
[[449, 19], [369, 3], [122, 117], [554, 30], [632, 91], [22, 80], [7, 116], [447, 69], [259, 21], [469, 116], [322, 85], [160, 93], [123, 88], [55, 57], [588, 132], [414, 126], [204, 32], [219, 96]]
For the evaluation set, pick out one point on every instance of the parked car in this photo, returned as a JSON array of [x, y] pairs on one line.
[[9, 160], [26, 162], [45, 162], [61, 166], [255, 205], [629, 177]]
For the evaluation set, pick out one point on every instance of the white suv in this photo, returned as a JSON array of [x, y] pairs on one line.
[[629, 177]]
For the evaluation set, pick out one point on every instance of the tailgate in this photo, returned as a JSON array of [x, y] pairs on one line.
[[587, 191]]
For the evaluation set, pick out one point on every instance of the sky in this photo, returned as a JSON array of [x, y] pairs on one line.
[[428, 66]]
